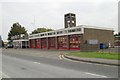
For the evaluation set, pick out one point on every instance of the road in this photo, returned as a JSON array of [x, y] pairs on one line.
[[15, 65]]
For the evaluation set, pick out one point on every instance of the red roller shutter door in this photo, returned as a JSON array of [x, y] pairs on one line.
[[51, 43], [37, 43], [62, 42], [32, 43], [74, 42], [43, 43]]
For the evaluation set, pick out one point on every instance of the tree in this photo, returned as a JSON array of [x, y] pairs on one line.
[[16, 29], [40, 30], [117, 34]]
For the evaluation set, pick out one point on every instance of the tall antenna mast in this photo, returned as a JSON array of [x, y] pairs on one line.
[[34, 22]]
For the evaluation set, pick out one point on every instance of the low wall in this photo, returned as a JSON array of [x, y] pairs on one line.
[[89, 47]]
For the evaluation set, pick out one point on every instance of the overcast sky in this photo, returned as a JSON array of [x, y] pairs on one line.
[[50, 13]]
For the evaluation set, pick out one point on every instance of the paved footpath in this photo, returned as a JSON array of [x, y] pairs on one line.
[[95, 60]]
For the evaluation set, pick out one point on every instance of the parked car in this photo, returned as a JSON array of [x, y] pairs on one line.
[[9, 45]]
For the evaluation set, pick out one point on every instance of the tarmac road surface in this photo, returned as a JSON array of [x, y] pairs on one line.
[[27, 66]]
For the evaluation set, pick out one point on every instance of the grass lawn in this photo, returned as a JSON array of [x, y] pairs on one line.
[[113, 56]]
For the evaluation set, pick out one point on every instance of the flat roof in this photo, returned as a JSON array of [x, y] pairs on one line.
[[20, 40], [66, 31], [96, 27]]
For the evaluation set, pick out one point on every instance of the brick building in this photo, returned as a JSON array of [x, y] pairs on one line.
[[74, 38]]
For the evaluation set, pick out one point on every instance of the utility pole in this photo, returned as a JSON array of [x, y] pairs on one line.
[[34, 22]]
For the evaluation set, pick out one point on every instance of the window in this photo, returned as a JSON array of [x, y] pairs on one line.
[[49, 33], [53, 32], [59, 32], [65, 31], [45, 34], [36, 35], [42, 34], [78, 29], [71, 30]]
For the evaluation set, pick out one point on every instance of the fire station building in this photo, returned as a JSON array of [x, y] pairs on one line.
[[73, 38]]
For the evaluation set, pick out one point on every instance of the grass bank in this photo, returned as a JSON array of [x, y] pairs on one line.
[[113, 56]]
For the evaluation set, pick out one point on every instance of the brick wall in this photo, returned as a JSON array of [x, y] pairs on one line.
[[88, 47], [103, 36]]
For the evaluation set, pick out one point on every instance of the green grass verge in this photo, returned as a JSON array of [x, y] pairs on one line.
[[113, 56]]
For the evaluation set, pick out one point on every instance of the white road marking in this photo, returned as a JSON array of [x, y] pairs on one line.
[[96, 75], [60, 56], [2, 75], [37, 62]]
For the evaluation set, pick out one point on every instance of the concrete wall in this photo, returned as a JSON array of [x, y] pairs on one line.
[[103, 36]]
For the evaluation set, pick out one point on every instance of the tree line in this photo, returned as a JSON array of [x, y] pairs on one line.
[[18, 29]]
